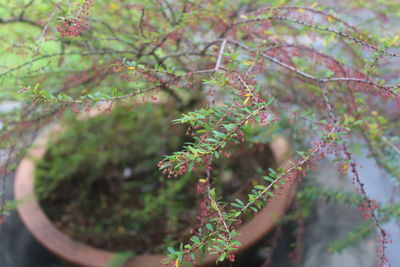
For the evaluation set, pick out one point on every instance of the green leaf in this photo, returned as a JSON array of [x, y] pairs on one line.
[[214, 206], [195, 239], [240, 202], [237, 205], [270, 101], [120, 258], [236, 242], [221, 257], [236, 214], [192, 256], [193, 150], [230, 126], [191, 166], [254, 209], [269, 179], [218, 134], [171, 250], [233, 234], [212, 193]]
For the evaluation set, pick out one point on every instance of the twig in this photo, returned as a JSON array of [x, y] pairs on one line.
[[141, 22], [220, 54], [42, 34], [321, 80]]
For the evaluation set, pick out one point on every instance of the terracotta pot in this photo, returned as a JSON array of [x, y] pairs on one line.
[[83, 255]]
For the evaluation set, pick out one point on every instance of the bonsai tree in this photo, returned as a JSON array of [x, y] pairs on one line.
[[300, 69]]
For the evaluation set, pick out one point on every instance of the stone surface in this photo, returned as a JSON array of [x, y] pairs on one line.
[[331, 221]]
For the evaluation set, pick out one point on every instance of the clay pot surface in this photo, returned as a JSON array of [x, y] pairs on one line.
[[84, 255]]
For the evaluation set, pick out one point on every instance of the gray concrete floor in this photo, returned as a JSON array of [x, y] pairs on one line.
[[19, 249]]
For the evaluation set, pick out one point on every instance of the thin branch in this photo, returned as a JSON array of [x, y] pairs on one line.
[[393, 146], [322, 80], [42, 34], [220, 54], [326, 29]]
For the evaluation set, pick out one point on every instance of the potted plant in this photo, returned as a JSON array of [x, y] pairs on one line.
[[112, 197], [303, 72]]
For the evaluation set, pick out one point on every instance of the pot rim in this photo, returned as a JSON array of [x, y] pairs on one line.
[[79, 253]]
